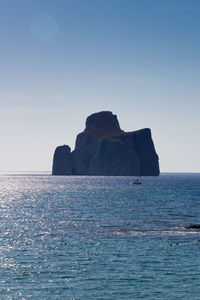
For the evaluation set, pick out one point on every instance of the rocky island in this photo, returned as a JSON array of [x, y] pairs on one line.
[[104, 149]]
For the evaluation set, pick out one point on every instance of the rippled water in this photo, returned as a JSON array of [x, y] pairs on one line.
[[99, 237]]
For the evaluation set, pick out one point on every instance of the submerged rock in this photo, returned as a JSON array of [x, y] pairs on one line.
[[194, 226], [104, 149]]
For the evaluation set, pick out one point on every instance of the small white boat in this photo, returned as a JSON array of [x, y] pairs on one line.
[[137, 181]]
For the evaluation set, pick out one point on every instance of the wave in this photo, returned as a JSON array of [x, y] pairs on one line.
[[156, 233]]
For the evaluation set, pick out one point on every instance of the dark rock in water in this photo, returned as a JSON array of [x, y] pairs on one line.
[[104, 149], [195, 226], [62, 162]]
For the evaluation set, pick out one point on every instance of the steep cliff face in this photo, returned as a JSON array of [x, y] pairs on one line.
[[104, 149], [62, 162]]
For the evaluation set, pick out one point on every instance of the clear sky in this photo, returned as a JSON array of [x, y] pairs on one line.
[[63, 60]]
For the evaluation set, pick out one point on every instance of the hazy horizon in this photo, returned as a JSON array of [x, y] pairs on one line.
[[50, 173], [62, 61]]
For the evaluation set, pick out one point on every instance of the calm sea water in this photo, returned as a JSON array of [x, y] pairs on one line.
[[99, 237]]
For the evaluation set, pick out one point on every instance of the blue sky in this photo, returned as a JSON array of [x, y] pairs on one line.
[[63, 60]]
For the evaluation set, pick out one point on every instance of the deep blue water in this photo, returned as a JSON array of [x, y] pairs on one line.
[[99, 237]]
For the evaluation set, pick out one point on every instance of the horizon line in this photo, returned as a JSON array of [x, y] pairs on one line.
[[40, 172]]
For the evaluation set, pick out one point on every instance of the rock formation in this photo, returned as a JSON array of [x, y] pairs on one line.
[[104, 149], [62, 162]]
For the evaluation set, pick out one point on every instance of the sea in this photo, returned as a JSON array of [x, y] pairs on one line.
[[90, 237]]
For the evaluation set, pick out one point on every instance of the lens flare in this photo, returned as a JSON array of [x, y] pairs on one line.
[[44, 28]]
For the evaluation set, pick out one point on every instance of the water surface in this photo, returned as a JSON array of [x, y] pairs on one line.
[[99, 237]]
